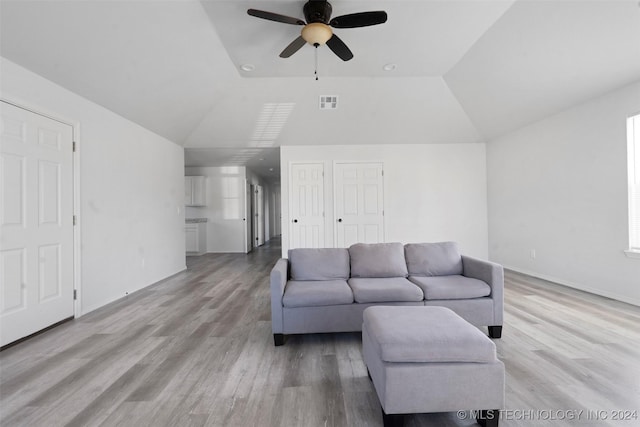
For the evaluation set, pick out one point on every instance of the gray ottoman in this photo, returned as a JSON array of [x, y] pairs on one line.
[[429, 359]]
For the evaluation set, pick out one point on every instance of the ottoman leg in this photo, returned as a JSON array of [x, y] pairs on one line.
[[392, 420], [489, 418]]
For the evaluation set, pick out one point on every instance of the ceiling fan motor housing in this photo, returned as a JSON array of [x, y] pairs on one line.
[[317, 11]]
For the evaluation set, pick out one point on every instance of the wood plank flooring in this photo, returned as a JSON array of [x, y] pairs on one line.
[[196, 350]]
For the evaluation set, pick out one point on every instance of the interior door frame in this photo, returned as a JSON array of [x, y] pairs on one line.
[[75, 173], [259, 215], [248, 217]]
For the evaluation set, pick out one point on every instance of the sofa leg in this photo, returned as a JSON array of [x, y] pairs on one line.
[[278, 339], [489, 418], [392, 420], [495, 331]]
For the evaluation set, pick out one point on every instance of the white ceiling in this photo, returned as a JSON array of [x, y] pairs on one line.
[[466, 71], [423, 38]]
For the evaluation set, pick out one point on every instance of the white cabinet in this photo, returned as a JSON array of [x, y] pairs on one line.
[[192, 238], [195, 191], [195, 238]]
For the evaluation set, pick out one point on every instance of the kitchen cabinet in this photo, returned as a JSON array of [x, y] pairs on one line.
[[195, 191], [195, 233]]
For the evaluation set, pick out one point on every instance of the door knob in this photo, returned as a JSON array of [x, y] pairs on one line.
[[339, 219], [295, 220]]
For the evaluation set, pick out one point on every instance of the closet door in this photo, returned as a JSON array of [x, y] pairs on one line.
[[36, 223], [359, 203], [306, 210]]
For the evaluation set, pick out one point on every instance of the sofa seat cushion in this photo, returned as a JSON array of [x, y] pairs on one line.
[[433, 259], [385, 289], [377, 260], [451, 287], [314, 293], [319, 263], [425, 334]]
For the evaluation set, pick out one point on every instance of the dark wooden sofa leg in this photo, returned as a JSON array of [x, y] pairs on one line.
[[278, 339], [392, 420], [495, 331], [489, 418]]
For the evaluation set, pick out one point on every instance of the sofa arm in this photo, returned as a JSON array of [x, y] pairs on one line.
[[278, 281], [492, 274]]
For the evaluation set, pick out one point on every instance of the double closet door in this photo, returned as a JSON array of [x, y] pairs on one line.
[[355, 198]]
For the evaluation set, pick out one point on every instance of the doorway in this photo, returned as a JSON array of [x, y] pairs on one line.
[[358, 203], [36, 222]]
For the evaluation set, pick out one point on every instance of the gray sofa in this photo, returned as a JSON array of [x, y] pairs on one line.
[[327, 289]]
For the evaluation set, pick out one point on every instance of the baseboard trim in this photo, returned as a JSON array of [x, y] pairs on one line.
[[41, 331], [94, 308], [599, 292]]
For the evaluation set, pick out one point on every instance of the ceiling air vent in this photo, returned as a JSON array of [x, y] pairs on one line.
[[328, 102]]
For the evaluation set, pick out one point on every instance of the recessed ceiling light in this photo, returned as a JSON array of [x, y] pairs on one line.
[[247, 67], [389, 67], [271, 169]]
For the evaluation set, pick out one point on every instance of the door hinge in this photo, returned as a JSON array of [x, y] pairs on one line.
[[75, 220], [74, 146], [75, 294], [382, 172]]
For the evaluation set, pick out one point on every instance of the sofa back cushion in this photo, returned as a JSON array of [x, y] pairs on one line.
[[433, 259], [377, 260], [319, 263]]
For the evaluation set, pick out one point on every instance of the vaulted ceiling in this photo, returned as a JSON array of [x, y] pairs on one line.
[[463, 71]]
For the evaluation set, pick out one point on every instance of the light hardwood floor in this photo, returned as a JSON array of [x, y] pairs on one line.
[[196, 349]]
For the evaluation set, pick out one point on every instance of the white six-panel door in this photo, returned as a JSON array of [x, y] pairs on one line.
[[36, 222], [359, 203], [306, 212]]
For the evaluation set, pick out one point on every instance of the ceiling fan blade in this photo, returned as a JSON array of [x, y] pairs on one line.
[[275, 17], [293, 47], [339, 48], [362, 19]]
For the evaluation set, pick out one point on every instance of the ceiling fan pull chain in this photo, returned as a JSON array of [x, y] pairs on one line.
[[316, 57]]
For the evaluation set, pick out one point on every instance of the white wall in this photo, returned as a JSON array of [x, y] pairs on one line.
[[130, 191], [432, 192], [559, 186], [225, 187]]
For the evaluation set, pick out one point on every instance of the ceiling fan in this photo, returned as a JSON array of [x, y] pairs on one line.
[[317, 30]]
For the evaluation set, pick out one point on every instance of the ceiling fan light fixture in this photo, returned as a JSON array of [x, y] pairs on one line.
[[316, 33]]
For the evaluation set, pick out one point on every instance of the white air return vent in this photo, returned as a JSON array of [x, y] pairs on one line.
[[328, 102]]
